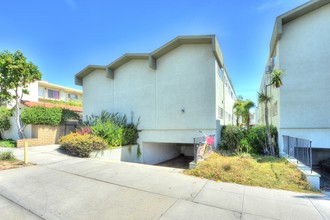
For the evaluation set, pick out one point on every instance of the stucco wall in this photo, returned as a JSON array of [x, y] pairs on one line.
[[305, 52], [304, 55], [183, 80]]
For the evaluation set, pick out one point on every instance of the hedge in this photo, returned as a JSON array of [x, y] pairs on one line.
[[40, 115], [81, 145]]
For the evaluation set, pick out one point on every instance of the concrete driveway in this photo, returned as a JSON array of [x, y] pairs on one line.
[[64, 187]]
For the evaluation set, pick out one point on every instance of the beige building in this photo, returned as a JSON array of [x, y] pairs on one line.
[[48, 91], [42, 93], [300, 45], [176, 90]]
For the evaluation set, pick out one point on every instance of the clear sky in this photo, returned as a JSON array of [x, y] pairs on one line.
[[63, 36]]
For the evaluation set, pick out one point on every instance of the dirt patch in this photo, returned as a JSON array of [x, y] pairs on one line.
[[5, 165]]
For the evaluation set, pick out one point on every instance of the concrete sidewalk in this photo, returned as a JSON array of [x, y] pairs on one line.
[[64, 187]]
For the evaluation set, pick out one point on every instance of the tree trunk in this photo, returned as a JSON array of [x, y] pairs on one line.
[[269, 149], [19, 124], [248, 122]]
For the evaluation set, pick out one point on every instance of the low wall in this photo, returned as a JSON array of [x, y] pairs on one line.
[[125, 153], [43, 135], [312, 178], [33, 142]]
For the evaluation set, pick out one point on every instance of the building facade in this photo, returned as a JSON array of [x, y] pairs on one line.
[[177, 90], [300, 46], [42, 93]]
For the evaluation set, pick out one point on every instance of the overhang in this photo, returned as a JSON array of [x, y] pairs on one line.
[[90, 68], [152, 57], [291, 15]]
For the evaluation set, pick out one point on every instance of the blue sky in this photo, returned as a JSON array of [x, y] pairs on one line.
[[63, 36]]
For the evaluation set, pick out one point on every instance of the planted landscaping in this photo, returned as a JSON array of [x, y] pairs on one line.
[[268, 172], [240, 159], [106, 131]]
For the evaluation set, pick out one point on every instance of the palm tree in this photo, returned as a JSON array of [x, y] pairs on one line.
[[247, 105], [276, 81], [238, 109]]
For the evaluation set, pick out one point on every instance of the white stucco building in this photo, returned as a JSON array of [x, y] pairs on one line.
[[176, 90], [300, 45]]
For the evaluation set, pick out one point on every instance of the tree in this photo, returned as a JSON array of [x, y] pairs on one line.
[[238, 109], [263, 97], [242, 110], [4, 120], [247, 105], [16, 73]]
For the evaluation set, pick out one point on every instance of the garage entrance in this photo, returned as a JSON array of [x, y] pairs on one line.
[[176, 155]]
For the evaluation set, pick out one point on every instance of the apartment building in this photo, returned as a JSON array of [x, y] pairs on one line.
[[176, 90], [300, 45]]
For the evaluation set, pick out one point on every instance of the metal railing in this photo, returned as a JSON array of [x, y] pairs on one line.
[[198, 143], [298, 148]]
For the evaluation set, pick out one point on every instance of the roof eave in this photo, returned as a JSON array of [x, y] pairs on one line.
[[90, 68], [291, 15]]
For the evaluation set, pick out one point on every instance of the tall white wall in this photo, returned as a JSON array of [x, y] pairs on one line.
[[183, 80], [304, 50]]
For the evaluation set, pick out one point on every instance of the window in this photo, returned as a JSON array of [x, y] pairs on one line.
[[220, 112], [41, 92], [72, 96], [53, 94], [220, 72], [274, 109]]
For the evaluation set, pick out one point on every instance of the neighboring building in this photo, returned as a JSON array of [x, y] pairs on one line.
[[177, 90], [42, 93], [300, 46]]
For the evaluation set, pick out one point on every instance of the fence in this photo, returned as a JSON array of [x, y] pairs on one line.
[[298, 148], [203, 147]]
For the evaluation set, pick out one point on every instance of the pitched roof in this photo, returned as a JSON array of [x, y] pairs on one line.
[[291, 15], [51, 105], [176, 42]]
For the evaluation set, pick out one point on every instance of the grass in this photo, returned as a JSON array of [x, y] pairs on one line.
[[7, 156], [9, 143], [8, 161], [268, 172]]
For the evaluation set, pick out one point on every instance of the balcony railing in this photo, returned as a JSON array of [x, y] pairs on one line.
[[299, 149]]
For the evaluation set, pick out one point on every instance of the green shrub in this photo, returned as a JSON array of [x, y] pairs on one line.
[[257, 138], [69, 115], [9, 143], [230, 137], [81, 145], [113, 128], [7, 155], [40, 115], [4, 119]]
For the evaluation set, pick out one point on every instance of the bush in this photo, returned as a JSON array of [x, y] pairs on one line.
[[40, 115], [257, 138], [7, 155], [81, 145], [8, 143], [69, 115], [84, 130], [230, 138], [113, 128], [4, 119]]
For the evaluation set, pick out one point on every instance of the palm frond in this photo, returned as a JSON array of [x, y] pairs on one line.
[[276, 78], [263, 98]]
